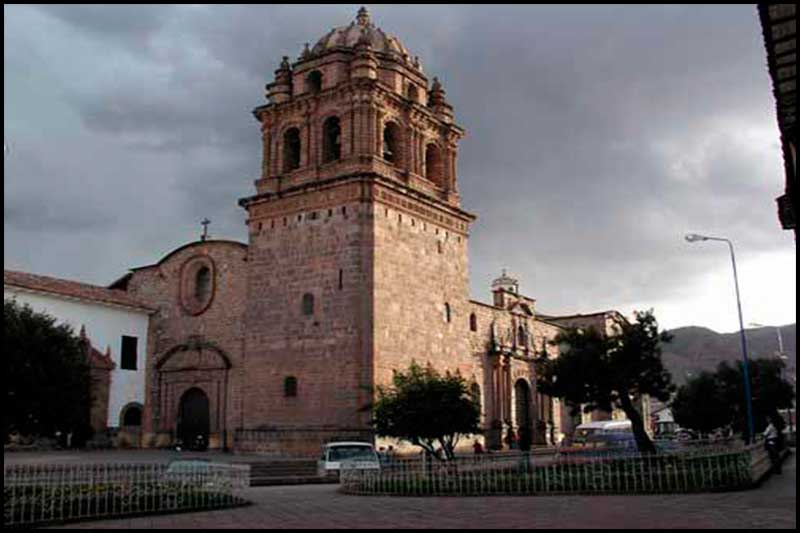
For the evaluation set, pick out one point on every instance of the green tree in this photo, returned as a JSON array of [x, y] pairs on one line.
[[717, 399], [770, 392], [425, 408], [701, 405], [48, 385], [602, 371]]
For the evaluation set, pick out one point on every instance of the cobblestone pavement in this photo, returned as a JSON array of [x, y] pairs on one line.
[[773, 505]]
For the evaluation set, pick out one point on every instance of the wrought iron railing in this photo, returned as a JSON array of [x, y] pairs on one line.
[[42, 494], [696, 470]]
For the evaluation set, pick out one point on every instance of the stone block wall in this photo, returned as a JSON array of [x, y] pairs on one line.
[[319, 244], [194, 346]]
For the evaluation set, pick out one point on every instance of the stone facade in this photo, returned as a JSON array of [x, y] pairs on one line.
[[196, 338]]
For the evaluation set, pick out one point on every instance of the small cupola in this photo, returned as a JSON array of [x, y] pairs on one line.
[[505, 290]]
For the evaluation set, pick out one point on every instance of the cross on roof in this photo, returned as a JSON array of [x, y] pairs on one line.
[[205, 224]]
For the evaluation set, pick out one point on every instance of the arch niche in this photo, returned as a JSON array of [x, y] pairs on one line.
[[191, 393], [434, 164]]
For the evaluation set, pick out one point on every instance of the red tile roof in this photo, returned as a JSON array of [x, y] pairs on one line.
[[71, 289]]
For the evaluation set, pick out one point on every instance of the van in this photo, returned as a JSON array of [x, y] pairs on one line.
[[355, 455], [607, 433]]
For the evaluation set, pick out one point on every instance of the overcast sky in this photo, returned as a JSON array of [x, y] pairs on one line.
[[597, 136]]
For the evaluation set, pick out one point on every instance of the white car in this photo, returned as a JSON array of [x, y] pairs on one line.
[[355, 455]]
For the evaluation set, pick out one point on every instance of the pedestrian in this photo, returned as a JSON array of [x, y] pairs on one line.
[[478, 447], [390, 454], [772, 445], [511, 439]]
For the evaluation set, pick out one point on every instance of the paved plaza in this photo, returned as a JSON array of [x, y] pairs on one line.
[[773, 505]]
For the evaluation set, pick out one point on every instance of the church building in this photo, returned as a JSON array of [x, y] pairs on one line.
[[355, 266]]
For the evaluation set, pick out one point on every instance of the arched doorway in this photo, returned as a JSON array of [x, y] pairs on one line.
[[130, 426], [193, 419], [131, 415], [522, 413], [177, 373]]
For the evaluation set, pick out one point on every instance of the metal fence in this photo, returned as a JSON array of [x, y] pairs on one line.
[[695, 470], [41, 494]]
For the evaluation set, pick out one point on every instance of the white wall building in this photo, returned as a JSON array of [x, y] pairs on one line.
[[114, 323]]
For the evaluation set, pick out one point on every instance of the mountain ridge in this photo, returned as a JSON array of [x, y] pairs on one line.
[[696, 348]]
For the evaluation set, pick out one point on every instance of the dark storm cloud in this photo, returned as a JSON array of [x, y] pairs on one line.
[[596, 135], [130, 25]]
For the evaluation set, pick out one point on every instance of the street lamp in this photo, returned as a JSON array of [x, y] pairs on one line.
[[693, 237]]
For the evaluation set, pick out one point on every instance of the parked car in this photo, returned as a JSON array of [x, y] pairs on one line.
[[683, 435], [355, 455]]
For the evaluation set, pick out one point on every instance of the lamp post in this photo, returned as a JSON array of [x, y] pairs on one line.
[[693, 237]]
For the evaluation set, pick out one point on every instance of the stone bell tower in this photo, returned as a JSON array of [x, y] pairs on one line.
[[358, 102], [357, 257]]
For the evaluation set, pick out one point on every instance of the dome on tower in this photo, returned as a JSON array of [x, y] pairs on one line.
[[346, 37]]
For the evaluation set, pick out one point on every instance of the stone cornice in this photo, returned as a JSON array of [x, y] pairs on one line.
[[383, 181]]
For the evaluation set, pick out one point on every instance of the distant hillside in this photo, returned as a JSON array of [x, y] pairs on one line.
[[694, 349]]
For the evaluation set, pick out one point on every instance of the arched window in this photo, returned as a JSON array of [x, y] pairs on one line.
[[447, 312], [290, 387], [291, 150], [521, 338], [202, 284], [473, 322], [413, 93], [331, 140], [392, 151], [132, 416], [308, 304], [434, 170], [314, 82]]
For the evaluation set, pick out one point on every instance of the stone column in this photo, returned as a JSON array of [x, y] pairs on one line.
[[266, 143], [507, 389], [344, 123], [494, 420], [411, 154], [359, 128], [310, 134], [372, 118], [446, 177], [377, 139], [453, 169], [275, 150], [421, 153]]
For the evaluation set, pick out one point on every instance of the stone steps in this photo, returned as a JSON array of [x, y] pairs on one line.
[[288, 480], [285, 472]]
